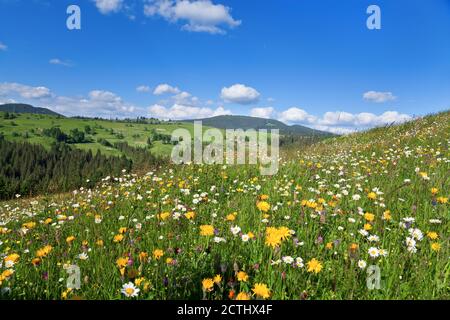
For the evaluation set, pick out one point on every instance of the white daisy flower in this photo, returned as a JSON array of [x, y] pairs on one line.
[[130, 290], [219, 239], [299, 262], [83, 256], [362, 264], [288, 259], [373, 252], [235, 230]]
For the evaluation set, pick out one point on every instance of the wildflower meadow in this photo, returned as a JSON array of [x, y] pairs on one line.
[[312, 231]]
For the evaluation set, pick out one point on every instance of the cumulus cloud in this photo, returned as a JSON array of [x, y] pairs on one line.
[[3, 47], [143, 89], [56, 61], [296, 115], [182, 112], [198, 15], [335, 130], [165, 89], [108, 6], [342, 122], [97, 103], [239, 93], [378, 97], [24, 91], [262, 112]]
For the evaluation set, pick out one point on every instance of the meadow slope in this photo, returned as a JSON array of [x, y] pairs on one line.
[[29, 127], [191, 232]]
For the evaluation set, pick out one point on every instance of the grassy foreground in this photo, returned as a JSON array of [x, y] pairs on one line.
[[191, 232]]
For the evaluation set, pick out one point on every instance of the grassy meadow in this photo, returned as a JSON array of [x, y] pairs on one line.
[[28, 127], [225, 232]]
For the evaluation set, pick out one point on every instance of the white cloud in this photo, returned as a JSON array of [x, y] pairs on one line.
[[335, 130], [296, 115], [182, 112], [199, 15], [97, 103], [108, 6], [262, 112], [164, 89], [143, 89], [60, 62], [27, 92], [334, 118], [342, 122], [378, 97], [7, 101], [240, 93], [3, 47]]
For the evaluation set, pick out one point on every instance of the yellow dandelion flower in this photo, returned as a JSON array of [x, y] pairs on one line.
[[36, 261], [206, 230], [44, 251], [190, 215], [243, 296], [354, 247], [122, 262], [138, 281], [314, 265], [70, 239], [29, 225], [217, 279], [230, 217], [432, 235], [442, 200], [369, 216], [164, 215], [435, 246], [261, 290], [208, 284], [143, 256], [263, 206], [242, 276], [158, 253], [14, 257], [118, 238]]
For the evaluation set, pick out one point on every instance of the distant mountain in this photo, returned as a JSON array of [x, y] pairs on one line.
[[245, 122], [26, 108]]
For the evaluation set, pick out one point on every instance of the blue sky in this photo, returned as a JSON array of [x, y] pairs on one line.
[[312, 62]]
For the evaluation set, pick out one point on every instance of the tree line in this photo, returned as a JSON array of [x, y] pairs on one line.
[[30, 169]]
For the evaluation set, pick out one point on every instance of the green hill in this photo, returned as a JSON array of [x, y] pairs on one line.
[[26, 108], [246, 122], [99, 134]]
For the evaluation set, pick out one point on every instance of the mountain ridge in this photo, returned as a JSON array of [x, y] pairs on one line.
[[26, 108], [247, 122]]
